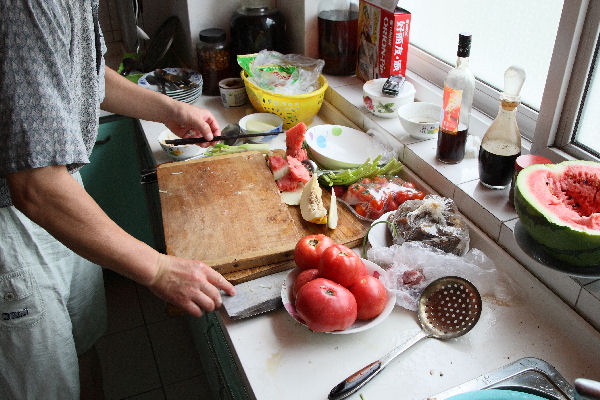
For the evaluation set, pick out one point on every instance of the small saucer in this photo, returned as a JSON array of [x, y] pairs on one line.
[[537, 252]]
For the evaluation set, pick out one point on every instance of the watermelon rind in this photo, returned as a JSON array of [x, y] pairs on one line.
[[577, 246]]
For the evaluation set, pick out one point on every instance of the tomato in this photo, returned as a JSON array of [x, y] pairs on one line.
[[382, 180], [326, 306], [361, 209], [370, 295], [304, 277], [391, 204], [308, 250], [340, 264], [339, 190]]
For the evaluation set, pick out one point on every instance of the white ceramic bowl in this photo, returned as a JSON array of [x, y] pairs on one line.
[[261, 123], [420, 120], [180, 152], [336, 146], [383, 105]]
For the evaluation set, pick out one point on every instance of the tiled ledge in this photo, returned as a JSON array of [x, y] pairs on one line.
[[488, 209]]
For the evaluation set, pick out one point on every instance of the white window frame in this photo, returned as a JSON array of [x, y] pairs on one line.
[[573, 50], [485, 97]]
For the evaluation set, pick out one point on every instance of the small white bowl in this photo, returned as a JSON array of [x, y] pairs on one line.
[[261, 123], [383, 105], [179, 152], [420, 120]]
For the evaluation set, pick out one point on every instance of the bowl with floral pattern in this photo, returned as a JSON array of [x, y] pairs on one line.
[[383, 105]]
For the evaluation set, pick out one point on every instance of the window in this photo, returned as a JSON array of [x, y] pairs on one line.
[[504, 33], [568, 123]]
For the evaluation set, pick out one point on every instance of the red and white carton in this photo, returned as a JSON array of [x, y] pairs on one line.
[[382, 39]]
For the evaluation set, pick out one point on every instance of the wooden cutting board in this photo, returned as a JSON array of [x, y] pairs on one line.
[[227, 212]]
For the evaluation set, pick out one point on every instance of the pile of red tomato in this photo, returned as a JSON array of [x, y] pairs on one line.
[[373, 197], [333, 289]]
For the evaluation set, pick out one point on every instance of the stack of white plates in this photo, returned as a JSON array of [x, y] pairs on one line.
[[185, 95]]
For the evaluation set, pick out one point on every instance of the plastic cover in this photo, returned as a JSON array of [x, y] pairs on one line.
[[411, 266], [434, 221], [288, 74]]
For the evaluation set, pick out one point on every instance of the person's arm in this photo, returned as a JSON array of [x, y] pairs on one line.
[[126, 98], [52, 198]]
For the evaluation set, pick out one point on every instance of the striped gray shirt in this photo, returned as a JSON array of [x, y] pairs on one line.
[[51, 84]]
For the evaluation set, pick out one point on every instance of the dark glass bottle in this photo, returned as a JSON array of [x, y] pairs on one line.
[[459, 86], [256, 26], [338, 25]]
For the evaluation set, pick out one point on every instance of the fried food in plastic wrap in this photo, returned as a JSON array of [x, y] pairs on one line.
[[434, 221]]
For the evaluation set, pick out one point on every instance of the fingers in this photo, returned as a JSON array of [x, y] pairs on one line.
[[220, 282]]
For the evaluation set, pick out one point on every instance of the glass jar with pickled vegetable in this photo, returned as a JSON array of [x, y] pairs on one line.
[[213, 59]]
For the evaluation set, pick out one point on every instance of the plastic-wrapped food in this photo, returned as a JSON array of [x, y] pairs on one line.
[[373, 197], [288, 74], [433, 220], [410, 267]]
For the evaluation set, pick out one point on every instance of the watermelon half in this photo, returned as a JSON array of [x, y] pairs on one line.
[[559, 206]]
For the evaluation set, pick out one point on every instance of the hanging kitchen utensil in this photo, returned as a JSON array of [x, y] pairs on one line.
[[160, 43], [448, 308]]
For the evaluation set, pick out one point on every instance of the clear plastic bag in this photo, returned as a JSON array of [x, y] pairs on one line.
[[433, 220], [411, 266], [370, 198], [288, 74]]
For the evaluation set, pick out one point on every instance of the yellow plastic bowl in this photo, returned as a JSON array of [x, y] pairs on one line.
[[291, 108]]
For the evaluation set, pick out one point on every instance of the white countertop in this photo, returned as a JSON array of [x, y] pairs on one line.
[[283, 360]]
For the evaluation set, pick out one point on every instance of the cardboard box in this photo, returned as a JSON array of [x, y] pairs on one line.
[[383, 39]]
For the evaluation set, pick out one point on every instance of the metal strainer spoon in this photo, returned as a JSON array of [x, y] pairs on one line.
[[449, 307]]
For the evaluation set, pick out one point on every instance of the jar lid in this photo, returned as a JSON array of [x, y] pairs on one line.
[[526, 160], [213, 35]]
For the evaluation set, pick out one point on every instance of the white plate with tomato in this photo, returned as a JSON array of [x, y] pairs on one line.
[[372, 271]]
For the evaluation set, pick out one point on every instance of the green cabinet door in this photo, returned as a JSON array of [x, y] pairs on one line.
[[112, 177]]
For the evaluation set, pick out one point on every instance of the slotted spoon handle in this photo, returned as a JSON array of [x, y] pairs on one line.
[[360, 378]]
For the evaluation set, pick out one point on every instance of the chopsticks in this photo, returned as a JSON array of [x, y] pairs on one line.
[[196, 140]]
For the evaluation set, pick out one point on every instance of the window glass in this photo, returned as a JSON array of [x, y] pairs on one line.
[[589, 119], [504, 33]]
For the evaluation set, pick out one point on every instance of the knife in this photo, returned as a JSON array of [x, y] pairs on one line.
[[197, 140]]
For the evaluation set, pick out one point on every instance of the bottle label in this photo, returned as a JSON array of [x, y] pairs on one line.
[[451, 109]]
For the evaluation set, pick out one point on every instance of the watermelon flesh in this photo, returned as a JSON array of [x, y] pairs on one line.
[[294, 138], [297, 169], [279, 166], [559, 205]]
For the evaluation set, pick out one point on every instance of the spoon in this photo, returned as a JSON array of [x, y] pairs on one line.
[[448, 308]]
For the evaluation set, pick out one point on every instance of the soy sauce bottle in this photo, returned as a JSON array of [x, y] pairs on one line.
[[459, 86], [501, 144]]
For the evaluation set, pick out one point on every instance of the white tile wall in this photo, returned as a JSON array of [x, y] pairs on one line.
[[488, 209]]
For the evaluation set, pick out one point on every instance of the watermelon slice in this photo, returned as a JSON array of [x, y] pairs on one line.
[[279, 166], [298, 170], [288, 183], [294, 138], [559, 206], [300, 155]]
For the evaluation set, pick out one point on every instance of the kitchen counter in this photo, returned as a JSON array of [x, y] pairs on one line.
[[280, 359]]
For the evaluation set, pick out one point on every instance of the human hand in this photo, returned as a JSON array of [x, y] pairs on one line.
[[190, 285], [192, 121]]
